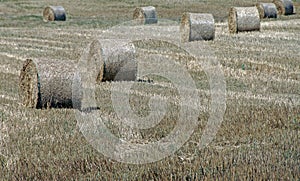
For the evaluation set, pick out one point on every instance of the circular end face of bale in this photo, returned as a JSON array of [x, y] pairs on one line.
[[28, 84], [145, 15], [280, 6], [261, 10], [54, 13], [138, 15], [93, 60], [232, 20], [185, 27], [48, 14]]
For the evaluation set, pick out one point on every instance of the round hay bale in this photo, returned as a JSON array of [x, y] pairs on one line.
[[196, 26], [284, 7], [117, 59], [145, 15], [267, 10], [243, 19], [54, 13], [46, 83]]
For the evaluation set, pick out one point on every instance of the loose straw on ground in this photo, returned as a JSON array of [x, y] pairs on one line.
[[243, 19], [116, 59], [46, 83], [196, 26], [284, 7], [54, 13], [267, 10], [145, 15]]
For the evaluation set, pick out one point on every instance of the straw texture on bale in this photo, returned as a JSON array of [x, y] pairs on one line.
[[91, 63], [145, 15], [243, 19], [117, 59], [284, 7], [46, 83], [196, 26], [267, 10], [54, 13]]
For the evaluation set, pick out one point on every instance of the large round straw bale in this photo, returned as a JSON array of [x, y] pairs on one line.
[[196, 26], [54, 13], [117, 57], [284, 7], [46, 83], [145, 15], [243, 19], [267, 10]]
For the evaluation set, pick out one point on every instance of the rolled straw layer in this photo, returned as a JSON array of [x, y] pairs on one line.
[[116, 59], [145, 15], [196, 26], [243, 19], [46, 83], [284, 7], [267, 10], [54, 13]]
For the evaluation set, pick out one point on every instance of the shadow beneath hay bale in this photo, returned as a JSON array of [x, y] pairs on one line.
[[89, 109], [146, 81]]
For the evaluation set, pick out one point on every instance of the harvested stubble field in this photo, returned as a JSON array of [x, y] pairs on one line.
[[258, 139]]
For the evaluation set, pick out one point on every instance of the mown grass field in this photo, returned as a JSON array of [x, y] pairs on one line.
[[258, 139]]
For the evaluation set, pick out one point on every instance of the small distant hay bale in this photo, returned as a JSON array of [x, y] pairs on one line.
[[267, 10], [284, 7], [116, 58], [46, 83], [54, 13], [145, 15], [243, 19], [196, 26]]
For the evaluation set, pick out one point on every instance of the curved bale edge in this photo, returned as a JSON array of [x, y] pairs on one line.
[[46, 83], [116, 59], [197, 26], [284, 7], [267, 10], [243, 19], [145, 15], [54, 13]]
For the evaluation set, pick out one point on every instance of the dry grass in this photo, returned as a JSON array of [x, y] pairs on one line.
[[259, 138]]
